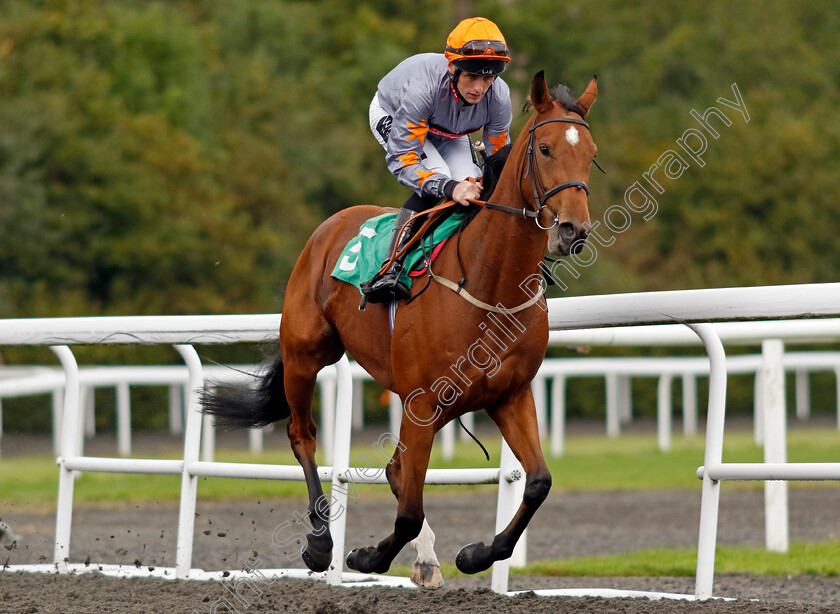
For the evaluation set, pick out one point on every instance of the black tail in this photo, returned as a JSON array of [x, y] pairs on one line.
[[239, 407]]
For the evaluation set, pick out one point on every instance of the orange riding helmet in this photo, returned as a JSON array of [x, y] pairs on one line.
[[477, 46]]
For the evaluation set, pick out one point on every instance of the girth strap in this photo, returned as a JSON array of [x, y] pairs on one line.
[[457, 289]]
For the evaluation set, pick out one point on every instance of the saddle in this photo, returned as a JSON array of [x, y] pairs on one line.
[[364, 254]]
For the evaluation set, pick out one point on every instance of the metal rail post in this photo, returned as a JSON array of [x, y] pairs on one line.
[[710, 498], [341, 462], [192, 446], [69, 443], [775, 444]]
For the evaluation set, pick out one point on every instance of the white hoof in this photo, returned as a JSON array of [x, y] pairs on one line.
[[426, 575]]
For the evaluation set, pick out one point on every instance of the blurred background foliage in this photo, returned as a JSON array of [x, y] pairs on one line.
[[173, 157]]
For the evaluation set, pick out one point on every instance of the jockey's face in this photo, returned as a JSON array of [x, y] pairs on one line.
[[471, 87]]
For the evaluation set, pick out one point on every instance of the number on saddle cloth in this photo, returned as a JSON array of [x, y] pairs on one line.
[[364, 254]]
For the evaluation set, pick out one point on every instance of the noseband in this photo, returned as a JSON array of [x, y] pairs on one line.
[[541, 195]]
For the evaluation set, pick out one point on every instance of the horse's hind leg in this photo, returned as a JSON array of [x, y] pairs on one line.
[[426, 569], [300, 376], [517, 421]]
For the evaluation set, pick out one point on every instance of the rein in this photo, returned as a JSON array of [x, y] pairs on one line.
[[458, 288], [541, 195]]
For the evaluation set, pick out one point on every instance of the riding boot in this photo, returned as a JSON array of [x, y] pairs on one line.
[[388, 286]]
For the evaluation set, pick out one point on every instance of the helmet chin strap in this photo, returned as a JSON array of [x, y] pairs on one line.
[[453, 78]]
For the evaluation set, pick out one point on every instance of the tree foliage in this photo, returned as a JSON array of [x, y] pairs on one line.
[[764, 207], [173, 157]]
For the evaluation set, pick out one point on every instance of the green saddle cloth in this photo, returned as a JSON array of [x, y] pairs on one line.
[[364, 254]]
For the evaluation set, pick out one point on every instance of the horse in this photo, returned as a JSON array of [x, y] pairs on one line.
[[445, 356]]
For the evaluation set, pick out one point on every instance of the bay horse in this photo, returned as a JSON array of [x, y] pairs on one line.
[[437, 358]]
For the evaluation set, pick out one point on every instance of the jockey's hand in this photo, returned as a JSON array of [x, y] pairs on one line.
[[465, 191]]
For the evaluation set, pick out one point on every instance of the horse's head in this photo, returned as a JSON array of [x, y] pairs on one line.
[[560, 153]]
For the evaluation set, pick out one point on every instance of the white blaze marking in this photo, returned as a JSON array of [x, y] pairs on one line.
[[572, 135]]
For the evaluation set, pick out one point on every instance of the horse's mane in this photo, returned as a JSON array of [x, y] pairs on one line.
[[563, 95], [493, 166]]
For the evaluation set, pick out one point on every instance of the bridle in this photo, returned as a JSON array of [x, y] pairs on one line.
[[530, 169]]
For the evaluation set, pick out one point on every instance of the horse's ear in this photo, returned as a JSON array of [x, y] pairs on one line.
[[588, 97], [540, 96]]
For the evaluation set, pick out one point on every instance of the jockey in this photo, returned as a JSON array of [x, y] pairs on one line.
[[423, 113]]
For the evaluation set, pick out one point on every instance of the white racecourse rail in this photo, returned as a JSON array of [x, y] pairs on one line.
[[182, 331], [692, 307]]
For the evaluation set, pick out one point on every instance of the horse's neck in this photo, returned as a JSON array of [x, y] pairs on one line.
[[502, 249]]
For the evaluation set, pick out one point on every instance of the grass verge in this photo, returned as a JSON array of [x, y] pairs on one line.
[[630, 462], [819, 559]]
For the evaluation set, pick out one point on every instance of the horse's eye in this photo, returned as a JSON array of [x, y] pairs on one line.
[[544, 150]]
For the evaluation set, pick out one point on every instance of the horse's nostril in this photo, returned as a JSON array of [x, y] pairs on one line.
[[577, 246], [567, 232]]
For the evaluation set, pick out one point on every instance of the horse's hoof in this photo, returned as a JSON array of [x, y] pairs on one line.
[[473, 558], [316, 560], [426, 575], [360, 559]]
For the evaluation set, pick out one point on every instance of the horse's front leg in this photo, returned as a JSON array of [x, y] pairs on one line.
[[426, 569], [517, 421], [413, 461]]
